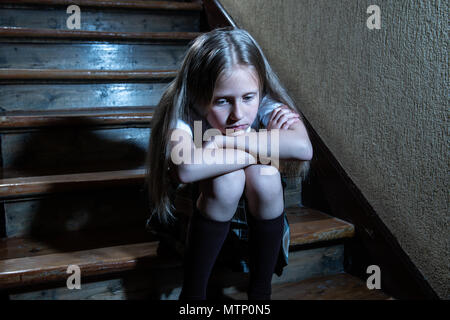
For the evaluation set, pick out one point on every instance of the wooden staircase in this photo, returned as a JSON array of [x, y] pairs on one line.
[[75, 119]]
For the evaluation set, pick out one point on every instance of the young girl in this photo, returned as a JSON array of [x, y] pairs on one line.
[[225, 83]]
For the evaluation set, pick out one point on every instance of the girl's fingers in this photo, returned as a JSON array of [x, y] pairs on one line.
[[276, 111], [271, 120], [289, 122], [273, 125], [281, 112], [281, 123], [278, 115], [286, 124], [283, 118]]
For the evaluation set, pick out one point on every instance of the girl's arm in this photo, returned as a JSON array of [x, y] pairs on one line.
[[192, 163], [286, 138]]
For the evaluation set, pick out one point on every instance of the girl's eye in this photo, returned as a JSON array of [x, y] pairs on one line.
[[221, 101], [248, 98]]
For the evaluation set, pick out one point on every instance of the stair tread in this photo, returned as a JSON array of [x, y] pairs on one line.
[[90, 116], [25, 259], [14, 177], [17, 183], [311, 226], [53, 266], [100, 35], [28, 247], [340, 286], [134, 4], [91, 74]]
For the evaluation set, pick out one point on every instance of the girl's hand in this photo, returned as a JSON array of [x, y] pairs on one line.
[[282, 118]]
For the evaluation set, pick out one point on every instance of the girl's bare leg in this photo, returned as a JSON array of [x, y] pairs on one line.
[[219, 196], [263, 192]]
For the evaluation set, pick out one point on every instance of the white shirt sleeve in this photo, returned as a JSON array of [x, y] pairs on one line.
[[265, 109], [184, 126]]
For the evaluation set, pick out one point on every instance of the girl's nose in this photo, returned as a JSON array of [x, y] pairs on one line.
[[237, 112]]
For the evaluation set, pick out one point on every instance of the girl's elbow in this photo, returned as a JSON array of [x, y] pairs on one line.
[[309, 152], [183, 174], [305, 151]]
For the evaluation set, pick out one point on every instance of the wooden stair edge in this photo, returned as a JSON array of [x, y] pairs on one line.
[[85, 74], [53, 267], [88, 116], [31, 185], [309, 226], [341, 286], [134, 4], [18, 32]]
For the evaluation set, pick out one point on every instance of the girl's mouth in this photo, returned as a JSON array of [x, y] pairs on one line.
[[240, 127]]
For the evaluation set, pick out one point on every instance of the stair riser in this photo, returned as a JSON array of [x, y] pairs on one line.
[[59, 96], [303, 264], [166, 284], [103, 19], [73, 148], [75, 212], [98, 56], [110, 209], [20, 214], [161, 284], [293, 196], [293, 192]]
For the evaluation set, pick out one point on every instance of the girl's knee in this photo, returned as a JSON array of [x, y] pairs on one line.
[[226, 188], [265, 187]]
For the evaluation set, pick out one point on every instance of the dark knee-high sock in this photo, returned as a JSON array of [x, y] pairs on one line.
[[204, 241], [265, 238]]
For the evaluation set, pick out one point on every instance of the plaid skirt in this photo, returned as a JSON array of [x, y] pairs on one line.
[[234, 252]]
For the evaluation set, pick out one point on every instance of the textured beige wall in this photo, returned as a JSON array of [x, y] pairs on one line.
[[378, 99]]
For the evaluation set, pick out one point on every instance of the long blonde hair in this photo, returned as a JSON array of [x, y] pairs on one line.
[[209, 55]]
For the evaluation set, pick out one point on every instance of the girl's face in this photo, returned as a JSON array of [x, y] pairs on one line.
[[235, 100]]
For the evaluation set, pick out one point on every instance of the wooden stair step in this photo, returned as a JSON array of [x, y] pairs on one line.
[[53, 267], [16, 32], [108, 75], [27, 247], [311, 226], [88, 116], [130, 4], [332, 287], [29, 53], [25, 261], [57, 95], [11, 187], [106, 16]]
